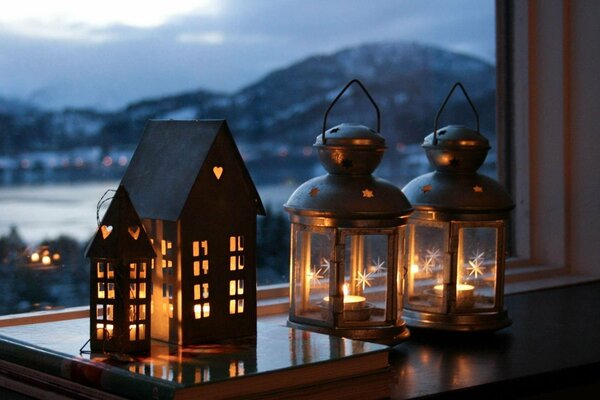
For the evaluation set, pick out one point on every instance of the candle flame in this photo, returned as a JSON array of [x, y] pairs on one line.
[[345, 289]]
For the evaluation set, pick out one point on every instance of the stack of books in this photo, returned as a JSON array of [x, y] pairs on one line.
[[44, 359]]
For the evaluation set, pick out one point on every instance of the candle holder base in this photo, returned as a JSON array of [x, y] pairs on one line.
[[387, 335], [351, 314], [481, 321]]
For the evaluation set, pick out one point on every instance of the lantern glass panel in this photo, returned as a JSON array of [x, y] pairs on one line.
[[427, 261], [476, 268], [312, 255], [365, 278]]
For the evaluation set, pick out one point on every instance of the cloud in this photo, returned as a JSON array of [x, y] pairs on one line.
[[93, 20], [218, 45], [204, 37]]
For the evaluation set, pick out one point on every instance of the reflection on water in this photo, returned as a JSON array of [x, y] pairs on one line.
[[42, 212]]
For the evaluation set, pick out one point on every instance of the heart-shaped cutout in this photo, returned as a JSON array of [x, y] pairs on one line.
[[106, 230], [134, 231], [218, 171]]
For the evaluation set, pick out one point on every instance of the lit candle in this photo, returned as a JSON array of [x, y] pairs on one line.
[[351, 302], [465, 294]]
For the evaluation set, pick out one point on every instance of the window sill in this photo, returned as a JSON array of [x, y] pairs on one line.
[[274, 299], [522, 277]]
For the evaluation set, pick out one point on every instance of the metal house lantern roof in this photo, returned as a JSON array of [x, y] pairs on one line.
[[120, 234], [167, 162]]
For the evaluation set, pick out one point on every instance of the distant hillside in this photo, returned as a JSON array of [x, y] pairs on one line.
[[283, 112]]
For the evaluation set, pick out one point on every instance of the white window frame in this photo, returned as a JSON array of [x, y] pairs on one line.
[[547, 133]]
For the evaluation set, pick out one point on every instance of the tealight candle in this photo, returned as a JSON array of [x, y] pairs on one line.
[[465, 294], [355, 307]]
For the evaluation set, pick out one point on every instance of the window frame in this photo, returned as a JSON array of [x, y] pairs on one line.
[[535, 114], [529, 35]]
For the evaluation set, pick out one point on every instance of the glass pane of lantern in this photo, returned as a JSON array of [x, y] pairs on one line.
[[426, 260], [365, 278], [476, 272], [312, 256]]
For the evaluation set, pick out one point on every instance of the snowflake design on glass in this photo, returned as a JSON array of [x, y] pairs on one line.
[[314, 276], [377, 266], [363, 280], [431, 260], [325, 265], [476, 267]]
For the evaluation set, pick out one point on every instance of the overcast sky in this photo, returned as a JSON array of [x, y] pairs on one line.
[[108, 53]]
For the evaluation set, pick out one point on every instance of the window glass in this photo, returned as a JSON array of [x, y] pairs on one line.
[[69, 132]]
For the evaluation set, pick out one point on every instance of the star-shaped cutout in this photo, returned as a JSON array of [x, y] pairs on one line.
[[363, 280], [368, 193], [478, 189], [337, 157], [426, 188], [314, 191]]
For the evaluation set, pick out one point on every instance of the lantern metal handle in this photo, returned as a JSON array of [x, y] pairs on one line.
[[340, 95], [437, 116]]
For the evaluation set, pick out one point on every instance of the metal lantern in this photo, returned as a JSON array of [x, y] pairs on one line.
[[456, 236], [347, 230]]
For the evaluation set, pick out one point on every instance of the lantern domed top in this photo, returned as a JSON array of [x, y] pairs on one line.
[[456, 148], [456, 152], [350, 153], [350, 149]]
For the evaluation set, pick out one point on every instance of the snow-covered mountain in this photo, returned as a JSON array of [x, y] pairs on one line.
[[281, 114]]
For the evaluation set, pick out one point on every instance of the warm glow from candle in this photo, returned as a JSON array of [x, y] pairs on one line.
[[35, 257], [414, 268], [462, 287], [46, 260], [350, 299]]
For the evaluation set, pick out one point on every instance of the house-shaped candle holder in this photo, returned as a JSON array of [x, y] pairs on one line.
[[121, 254], [190, 186]]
